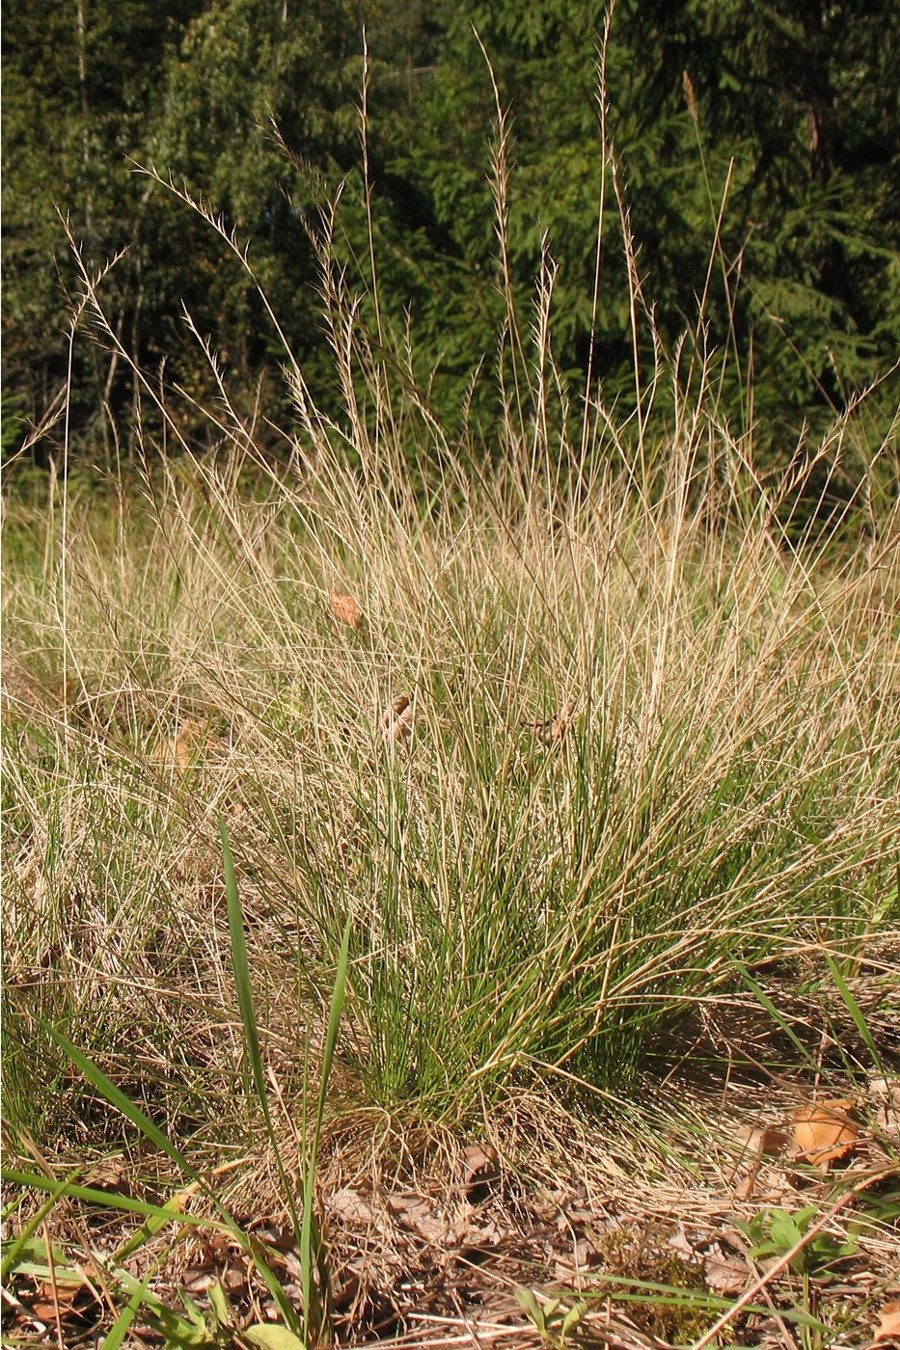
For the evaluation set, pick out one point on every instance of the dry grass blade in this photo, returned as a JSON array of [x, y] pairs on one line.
[[536, 937]]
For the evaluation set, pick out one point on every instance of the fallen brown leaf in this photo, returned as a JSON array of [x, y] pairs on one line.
[[553, 731], [351, 1207], [65, 1291], [479, 1162], [478, 1156], [345, 609], [397, 721], [234, 1278], [45, 1312], [886, 1094], [764, 1141], [747, 1184], [409, 1203], [197, 1282], [65, 1299], [726, 1273], [888, 1328], [824, 1131], [417, 1214]]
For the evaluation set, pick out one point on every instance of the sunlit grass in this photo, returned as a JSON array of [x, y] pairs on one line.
[[530, 904]]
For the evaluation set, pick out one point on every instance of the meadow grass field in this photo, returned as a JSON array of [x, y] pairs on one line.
[[427, 877]]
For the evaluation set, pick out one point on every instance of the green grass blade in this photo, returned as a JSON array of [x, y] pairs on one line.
[[190, 1332], [855, 1012], [226, 1224], [16, 1247], [117, 1098], [241, 967], [649, 1291], [122, 1325], [154, 1224], [111, 1200], [777, 1016], [338, 998], [311, 1253]]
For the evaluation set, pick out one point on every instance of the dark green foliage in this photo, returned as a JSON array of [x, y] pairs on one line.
[[787, 124], [245, 68], [80, 81], [800, 99]]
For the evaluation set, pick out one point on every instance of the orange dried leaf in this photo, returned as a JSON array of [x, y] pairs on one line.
[[553, 731], [345, 609], [187, 741], [888, 1328], [181, 748], [397, 721], [824, 1131]]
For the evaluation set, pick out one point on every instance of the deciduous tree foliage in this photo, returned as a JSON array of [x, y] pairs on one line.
[[770, 131]]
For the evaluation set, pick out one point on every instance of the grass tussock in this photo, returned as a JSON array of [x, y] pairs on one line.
[[638, 751], [542, 761]]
